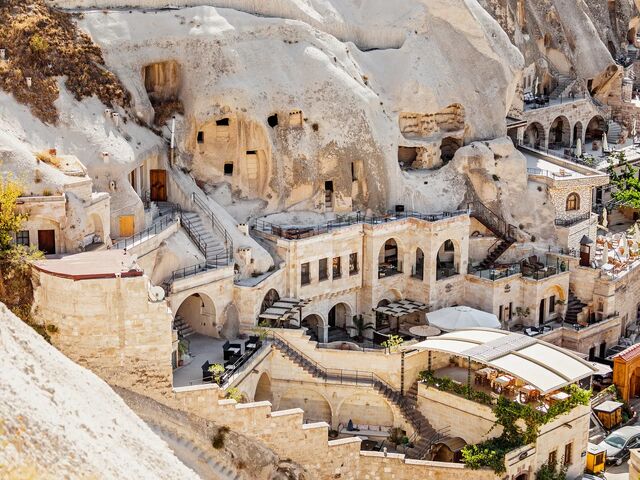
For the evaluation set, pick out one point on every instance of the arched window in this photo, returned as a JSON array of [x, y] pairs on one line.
[[573, 202]]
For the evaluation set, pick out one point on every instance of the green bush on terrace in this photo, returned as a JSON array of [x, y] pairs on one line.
[[491, 453], [447, 385]]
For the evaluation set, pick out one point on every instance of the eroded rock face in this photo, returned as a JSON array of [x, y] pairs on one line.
[[277, 108], [50, 429], [576, 39]]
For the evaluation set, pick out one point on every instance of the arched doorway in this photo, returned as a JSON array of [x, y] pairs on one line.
[[271, 297], [231, 327], [418, 269], [534, 136], [263, 389], [447, 261], [595, 129], [98, 230], [560, 133], [389, 259], [315, 405], [340, 322], [577, 133], [315, 327], [199, 313]]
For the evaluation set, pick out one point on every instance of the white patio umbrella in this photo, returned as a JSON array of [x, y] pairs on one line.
[[535, 87], [634, 130], [605, 144], [460, 318], [605, 220], [624, 246], [578, 148]]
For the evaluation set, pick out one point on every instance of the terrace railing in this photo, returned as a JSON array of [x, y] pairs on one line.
[[293, 232], [216, 224], [159, 226], [567, 222]]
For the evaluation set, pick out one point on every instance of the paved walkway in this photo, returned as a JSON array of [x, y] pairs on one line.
[[202, 348]]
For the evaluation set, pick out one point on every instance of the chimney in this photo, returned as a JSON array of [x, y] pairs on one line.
[[28, 82], [105, 157], [3, 54]]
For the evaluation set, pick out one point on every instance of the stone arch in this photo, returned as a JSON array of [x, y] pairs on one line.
[[271, 297], [199, 312], [560, 132], [366, 407], [263, 389], [340, 316], [98, 228], [448, 259], [557, 291], [535, 136], [418, 266], [231, 326], [389, 258], [314, 323], [595, 129], [572, 203], [578, 132], [315, 405]]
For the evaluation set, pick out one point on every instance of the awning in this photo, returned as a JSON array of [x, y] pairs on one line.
[[283, 310], [402, 308], [459, 318], [536, 362]]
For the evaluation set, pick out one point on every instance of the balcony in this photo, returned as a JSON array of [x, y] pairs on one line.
[[445, 271], [498, 272], [388, 270], [568, 222], [532, 267]]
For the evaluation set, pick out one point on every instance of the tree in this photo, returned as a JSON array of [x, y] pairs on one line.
[[16, 290], [360, 326], [626, 184], [393, 342], [10, 220]]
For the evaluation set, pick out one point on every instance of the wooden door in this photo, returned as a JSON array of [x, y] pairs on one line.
[[47, 241], [127, 227], [158, 185]]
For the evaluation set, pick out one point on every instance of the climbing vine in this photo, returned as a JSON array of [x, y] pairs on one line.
[[510, 416]]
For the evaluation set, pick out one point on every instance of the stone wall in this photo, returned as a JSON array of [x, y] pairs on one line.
[[583, 340], [109, 326]]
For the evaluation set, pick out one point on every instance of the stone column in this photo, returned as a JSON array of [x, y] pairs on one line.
[[323, 333]]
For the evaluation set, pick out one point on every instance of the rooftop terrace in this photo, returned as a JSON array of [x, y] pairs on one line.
[[291, 231]]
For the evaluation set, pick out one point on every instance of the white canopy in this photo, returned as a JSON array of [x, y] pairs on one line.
[[458, 318], [535, 362]]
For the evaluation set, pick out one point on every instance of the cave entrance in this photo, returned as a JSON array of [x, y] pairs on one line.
[[448, 148]]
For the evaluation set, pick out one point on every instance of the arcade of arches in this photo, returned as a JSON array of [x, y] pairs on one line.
[[561, 132]]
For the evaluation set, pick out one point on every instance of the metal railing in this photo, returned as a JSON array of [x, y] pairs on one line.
[[292, 232], [216, 224], [492, 221], [567, 222], [502, 271], [542, 270], [159, 226], [195, 236]]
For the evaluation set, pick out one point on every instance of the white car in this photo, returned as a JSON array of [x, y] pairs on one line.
[[618, 443]]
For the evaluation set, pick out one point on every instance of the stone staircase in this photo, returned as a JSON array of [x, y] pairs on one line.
[[192, 455], [565, 84], [407, 405], [613, 132], [574, 308], [210, 245], [183, 328], [498, 226]]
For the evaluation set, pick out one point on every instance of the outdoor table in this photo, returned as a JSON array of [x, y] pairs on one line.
[[502, 382], [559, 396], [250, 346], [485, 374], [234, 349], [529, 391], [229, 367]]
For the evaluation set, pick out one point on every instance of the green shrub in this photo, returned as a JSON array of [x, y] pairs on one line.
[[217, 440], [38, 44]]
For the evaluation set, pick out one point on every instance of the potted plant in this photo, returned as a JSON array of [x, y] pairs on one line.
[[217, 369], [393, 343], [183, 351], [360, 326]]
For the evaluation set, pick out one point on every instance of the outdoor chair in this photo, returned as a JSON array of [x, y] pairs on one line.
[[207, 376]]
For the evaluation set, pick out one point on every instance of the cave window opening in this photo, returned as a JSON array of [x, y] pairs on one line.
[[200, 137], [252, 152], [354, 178], [406, 156], [272, 120], [223, 122], [228, 169]]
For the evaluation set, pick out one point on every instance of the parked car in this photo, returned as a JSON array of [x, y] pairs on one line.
[[618, 443]]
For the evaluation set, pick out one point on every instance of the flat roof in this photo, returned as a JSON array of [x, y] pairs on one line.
[[91, 265], [558, 172], [534, 361]]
